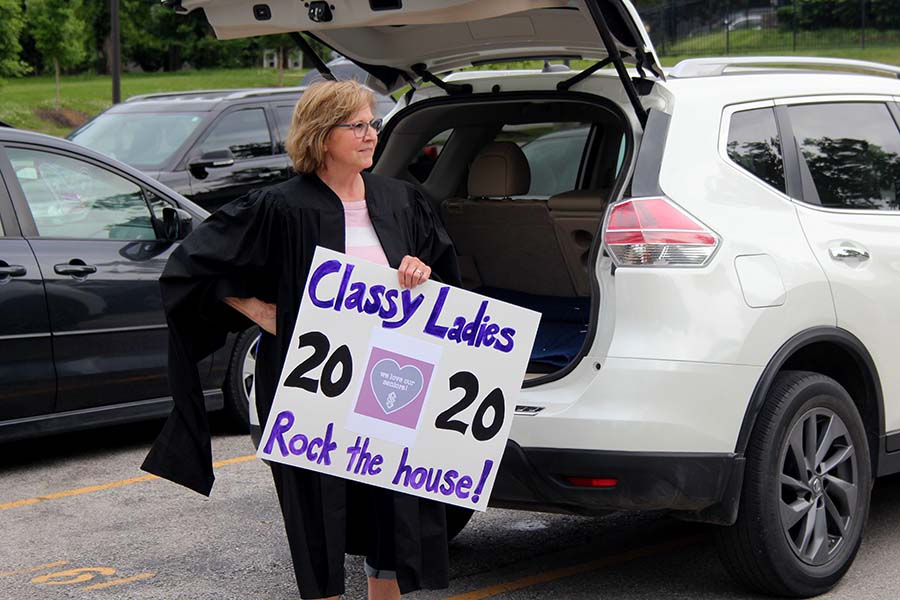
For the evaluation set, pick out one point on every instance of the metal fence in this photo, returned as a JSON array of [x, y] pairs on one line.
[[715, 27]]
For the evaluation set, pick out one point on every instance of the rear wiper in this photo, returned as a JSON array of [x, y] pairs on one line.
[[564, 86], [452, 89], [307, 50]]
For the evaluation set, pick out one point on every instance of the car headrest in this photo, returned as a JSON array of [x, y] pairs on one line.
[[500, 169]]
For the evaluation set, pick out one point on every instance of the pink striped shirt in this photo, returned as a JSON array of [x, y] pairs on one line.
[[361, 239]]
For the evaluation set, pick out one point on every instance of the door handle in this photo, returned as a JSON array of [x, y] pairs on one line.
[[74, 270], [848, 253], [12, 271]]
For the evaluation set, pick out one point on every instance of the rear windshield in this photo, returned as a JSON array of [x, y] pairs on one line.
[[142, 140]]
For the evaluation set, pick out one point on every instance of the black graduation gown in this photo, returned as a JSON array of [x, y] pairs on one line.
[[261, 245]]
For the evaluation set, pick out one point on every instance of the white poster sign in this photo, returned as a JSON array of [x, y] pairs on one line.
[[412, 390]]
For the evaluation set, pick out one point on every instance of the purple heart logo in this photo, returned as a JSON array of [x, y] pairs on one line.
[[394, 387]]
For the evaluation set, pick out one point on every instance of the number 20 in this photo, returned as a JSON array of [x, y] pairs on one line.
[[320, 345], [469, 384]]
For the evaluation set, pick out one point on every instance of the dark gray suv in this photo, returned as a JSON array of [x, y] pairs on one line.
[[210, 146]]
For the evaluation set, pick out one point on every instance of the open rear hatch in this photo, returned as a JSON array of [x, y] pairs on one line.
[[400, 43]]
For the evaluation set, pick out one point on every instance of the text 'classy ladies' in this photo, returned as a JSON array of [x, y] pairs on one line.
[[396, 307]]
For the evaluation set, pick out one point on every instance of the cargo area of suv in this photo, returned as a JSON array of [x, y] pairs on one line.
[[521, 236]]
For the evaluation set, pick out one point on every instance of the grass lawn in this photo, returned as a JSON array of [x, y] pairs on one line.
[[885, 54], [90, 94], [829, 42], [21, 99]]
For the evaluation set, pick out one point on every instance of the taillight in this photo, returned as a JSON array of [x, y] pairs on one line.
[[655, 232]]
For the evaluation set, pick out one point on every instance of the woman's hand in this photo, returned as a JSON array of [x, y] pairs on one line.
[[261, 313], [412, 272]]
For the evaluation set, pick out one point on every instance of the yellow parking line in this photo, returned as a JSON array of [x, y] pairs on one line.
[[113, 484], [58, 563], [233, 461], [578, 569], [100, 586]]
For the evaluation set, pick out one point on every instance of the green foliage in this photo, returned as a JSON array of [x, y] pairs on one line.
[[58, 31], [814, 15], [11, 24], [156, 38], [822, 42]]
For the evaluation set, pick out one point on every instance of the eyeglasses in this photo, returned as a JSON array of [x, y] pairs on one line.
[[361, 128]]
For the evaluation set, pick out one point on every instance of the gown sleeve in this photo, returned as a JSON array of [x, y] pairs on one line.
[[432, 242], [233, 253]]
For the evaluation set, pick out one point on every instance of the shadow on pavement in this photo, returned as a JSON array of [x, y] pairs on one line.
[[97, 441]]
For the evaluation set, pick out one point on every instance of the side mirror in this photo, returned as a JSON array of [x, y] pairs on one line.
[[177, 223], [215, 159]]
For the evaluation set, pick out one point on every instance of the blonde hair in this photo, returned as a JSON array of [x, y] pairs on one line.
[[322, 106]]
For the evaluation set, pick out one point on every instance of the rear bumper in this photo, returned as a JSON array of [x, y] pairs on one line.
[[701, 487]]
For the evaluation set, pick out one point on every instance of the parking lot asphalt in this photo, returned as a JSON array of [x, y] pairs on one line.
[[80, 520]]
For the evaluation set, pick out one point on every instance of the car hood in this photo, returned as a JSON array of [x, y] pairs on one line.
[[401, 39]]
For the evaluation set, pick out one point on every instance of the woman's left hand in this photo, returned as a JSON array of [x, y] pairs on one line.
[[412, 272]]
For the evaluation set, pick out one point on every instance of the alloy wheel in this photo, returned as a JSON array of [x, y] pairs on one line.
[[819, 486]]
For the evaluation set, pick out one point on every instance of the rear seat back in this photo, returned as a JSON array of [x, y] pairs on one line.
[[576, 218], [503, 242]]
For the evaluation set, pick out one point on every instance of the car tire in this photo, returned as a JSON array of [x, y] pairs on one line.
[[457, 519], [799, 528], [238, 384]]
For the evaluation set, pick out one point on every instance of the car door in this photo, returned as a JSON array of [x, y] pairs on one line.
[[91, 232], [245, 133], [849, 166], [26, 356]]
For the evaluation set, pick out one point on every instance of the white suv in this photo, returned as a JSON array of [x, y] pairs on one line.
[[714, 250]]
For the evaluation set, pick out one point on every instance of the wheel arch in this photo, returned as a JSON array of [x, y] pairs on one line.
[[838, 354]]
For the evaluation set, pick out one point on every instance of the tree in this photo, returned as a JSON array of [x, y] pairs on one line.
[[59, 34], [285, 44], [11, 24]]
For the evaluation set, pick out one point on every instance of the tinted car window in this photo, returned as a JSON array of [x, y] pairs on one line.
[[424, 161], [554, 152], [850, 152], [283, 116], [244, 132], [157, 204], [69, 198], [142, 140], [754, 144], [623, 145], [383, 106]]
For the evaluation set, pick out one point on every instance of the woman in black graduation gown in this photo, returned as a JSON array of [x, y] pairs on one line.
[[248, 263]]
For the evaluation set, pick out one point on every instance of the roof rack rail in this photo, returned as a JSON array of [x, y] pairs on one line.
[[230, 94], [249, 93], [184, 93], [710, 67]]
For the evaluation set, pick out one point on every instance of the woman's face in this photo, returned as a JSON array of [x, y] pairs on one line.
[[344, 149]]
